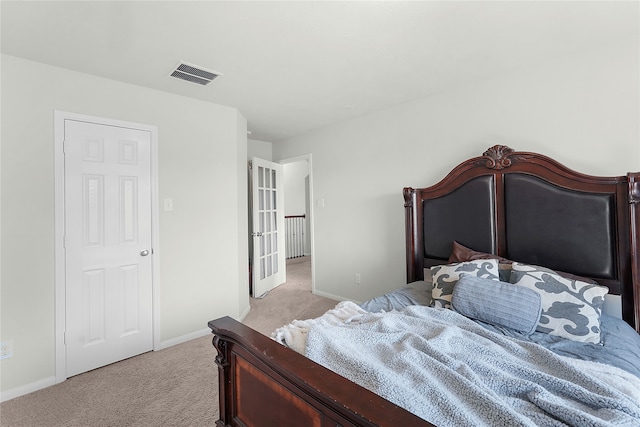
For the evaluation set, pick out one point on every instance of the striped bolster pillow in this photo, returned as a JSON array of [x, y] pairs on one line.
[[497, 303]]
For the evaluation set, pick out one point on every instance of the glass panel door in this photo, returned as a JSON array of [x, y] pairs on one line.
[[268, 220]]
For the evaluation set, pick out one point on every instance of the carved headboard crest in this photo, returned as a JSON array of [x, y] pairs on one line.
[[499, 157]]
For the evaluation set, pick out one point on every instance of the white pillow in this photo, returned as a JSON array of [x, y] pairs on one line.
[[446, 276], [570, 308]]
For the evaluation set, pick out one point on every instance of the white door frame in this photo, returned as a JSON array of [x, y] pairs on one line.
[[308, 158], [60, 281]]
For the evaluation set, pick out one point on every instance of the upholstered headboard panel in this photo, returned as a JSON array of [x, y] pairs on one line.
[[559, 228], [465, 215], [529, 208], [543, 222]]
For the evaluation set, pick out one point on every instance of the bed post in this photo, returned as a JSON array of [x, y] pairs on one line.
[[413, 236], [222, 360], [634, 217]]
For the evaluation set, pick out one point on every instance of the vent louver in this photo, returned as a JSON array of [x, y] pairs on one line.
[[194, 74]]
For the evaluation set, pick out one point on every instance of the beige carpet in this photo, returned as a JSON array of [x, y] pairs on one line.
[[294, 300], [177, 386]]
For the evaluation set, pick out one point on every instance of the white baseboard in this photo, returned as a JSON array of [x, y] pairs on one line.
[[183, 338], [48, 382], [244, 314], [333, 297], [27, 388], [194, 335]]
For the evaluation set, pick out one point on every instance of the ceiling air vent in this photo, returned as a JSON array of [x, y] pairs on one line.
[[194, 74]]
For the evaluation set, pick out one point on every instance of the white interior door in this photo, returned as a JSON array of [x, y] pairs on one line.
[[108, 253], [268, 261]]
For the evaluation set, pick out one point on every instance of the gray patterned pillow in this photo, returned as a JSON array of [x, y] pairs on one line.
[[446, 276], [570, 308]]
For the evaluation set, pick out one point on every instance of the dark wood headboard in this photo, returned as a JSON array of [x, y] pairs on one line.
[[529, 208]]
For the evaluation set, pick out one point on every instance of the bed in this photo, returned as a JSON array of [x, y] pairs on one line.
[[504, 207]]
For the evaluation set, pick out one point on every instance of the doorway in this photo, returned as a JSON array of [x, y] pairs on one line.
[[106, 241], [298, 179]]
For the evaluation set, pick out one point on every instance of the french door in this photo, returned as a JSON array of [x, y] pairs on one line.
[[268, 255]]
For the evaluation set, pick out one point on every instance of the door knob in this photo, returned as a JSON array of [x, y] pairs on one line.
[[144, 252]]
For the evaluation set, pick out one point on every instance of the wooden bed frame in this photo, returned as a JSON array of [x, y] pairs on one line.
[[518, 205]]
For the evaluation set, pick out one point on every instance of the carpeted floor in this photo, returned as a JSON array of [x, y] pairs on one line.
[[177, 386], [294, 300]]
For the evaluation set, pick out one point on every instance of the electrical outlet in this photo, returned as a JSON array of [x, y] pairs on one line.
[[6, 349]]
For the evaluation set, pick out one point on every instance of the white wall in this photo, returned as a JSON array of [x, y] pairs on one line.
[[582, 110], [260, 149], [242, 228], [294, 187], [202, 166]]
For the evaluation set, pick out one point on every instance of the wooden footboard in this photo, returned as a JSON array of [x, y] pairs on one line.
[[263, 383]]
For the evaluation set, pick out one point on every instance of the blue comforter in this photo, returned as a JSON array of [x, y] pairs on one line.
[[620, 344], [451, 371]]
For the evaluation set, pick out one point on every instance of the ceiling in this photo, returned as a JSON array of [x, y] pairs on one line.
[[292, 66]]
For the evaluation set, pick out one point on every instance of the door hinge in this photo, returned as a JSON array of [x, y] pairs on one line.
[[64, 338]]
